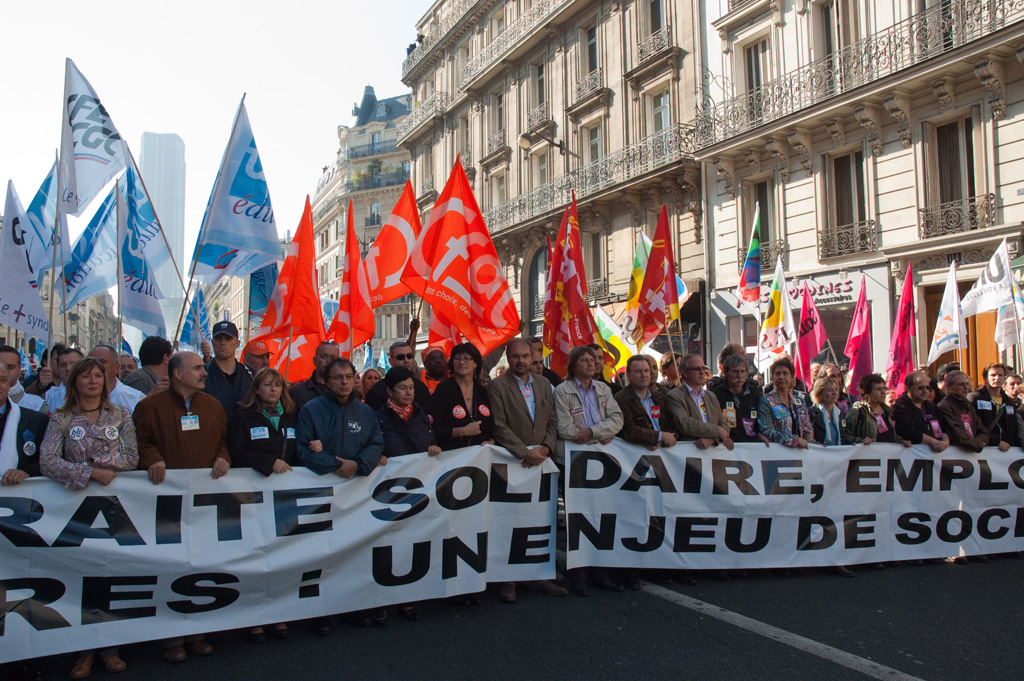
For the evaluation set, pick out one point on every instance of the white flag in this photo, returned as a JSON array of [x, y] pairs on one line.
[[91, 149], [238, 235], [41, 214], [994, 287], [138, 292], [950, 331], [777, 329], [20, 305]]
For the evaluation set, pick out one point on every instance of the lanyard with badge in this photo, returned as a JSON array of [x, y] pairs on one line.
[[189, 421]]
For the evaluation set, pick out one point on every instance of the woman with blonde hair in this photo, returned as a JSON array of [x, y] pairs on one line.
[[89, 438]]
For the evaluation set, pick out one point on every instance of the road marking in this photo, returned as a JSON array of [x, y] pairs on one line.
[[849, 660]]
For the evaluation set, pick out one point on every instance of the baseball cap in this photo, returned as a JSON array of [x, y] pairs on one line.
[[226, 328], [256, 347]]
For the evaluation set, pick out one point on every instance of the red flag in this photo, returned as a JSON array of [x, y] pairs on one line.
[[456, 270], [901, 361], [293, 317], [443, 334], [567, 320], [353, 323], [659, 298], [811, 337], [386, 259], [858, 346]]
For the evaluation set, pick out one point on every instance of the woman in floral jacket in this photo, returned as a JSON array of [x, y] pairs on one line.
[[782, 414]]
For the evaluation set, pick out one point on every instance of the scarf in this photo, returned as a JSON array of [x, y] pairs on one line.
[[9, 442], [274, 415], [404, 412]]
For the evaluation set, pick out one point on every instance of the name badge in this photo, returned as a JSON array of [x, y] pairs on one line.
[[190, 422], [966, 418], [355, 426], [936, 428], [730, 416], [779, 412], [259, 433], [729, 405], [880, 422], [753, 415], [655, 411], [289, 433], [1009, 409], [111, 433], [984, 404], [748, 427], [76, 433], [576, 410]]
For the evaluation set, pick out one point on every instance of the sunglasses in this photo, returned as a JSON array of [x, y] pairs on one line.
[[407, 356]]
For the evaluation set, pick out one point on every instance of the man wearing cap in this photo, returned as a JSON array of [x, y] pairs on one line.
[[154, 353], [316, 385], [256, 355], [400, 354], [227, 379], [435, 367]]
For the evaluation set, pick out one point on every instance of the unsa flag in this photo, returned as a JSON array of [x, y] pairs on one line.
[[455, 269]]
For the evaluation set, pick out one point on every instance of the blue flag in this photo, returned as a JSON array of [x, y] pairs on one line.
[[138, 291], [126, 347], [383, 363], [368, 362], [93, 265], [238, 235], [41, 215], [194, 331], [261, 287]]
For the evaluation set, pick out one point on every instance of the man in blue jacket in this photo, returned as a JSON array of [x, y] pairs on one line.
[[336, 432]]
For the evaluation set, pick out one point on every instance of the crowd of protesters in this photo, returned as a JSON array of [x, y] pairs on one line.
[[110, 412]]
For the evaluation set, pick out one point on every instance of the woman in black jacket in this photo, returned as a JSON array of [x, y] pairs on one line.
[[261, 435], [460, 406]]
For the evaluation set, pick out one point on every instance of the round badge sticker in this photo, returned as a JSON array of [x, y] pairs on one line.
[[484, 410], [459, 412], [77, 433], [29, 448], [111, 433]]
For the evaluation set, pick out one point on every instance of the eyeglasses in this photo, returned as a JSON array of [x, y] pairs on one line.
[[462, 358], [694, 368], [407, 356]]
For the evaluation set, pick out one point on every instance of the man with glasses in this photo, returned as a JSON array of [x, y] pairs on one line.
[[917, 419], [316, 385], [400, 354], [696, 410], [966, 430]]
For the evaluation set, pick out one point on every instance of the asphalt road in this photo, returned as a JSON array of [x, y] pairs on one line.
[[933, 622]]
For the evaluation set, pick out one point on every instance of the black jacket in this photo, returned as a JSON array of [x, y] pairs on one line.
[[1002, 421], [228, 392], [445, 405], [377, 397], [260, 452], [307, 390], [402, 436], [31, 429], [818, 423], [912, 424], [744, 407]]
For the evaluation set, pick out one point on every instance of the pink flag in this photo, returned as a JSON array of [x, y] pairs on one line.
[[858, 346], [811, 338], [901, 362]]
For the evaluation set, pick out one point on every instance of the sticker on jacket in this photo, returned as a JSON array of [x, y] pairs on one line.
[[259, 433], [355, 426]]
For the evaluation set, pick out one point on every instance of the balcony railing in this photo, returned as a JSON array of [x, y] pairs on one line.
[[372, 149], [589, 84], [434, 105], [956, 217], [771, 249], [596, 288], [836, 242], [537, 116], [653, 44], [672, 144], [372, 221], [376, 181], [466, 159], [525, 25], [426, 185], [736, 4], [495, 141], [923, 36], [456, 11]]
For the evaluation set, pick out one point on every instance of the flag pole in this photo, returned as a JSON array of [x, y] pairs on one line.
[[117, 208], [53, 268]]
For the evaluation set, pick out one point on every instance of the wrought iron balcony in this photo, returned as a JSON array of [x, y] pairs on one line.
[[924, 35], [434, 105], [495, 141], [672, 144], [456, 11], [771, 249], [372, 149], [589, 84], [836, 242], [537, 116], [526, 25], [653, 44], [596, 288], [426, 185], [377, 181], [956, 217], [466, 159], [372, 221]]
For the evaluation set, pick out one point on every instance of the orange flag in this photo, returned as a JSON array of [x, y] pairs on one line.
[[456, 270], [443, 334], [659, 300], [386, 259], [353, 323], [567, 319], [293, 325]]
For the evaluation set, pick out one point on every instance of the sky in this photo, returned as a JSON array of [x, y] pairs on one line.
[[183, 67]]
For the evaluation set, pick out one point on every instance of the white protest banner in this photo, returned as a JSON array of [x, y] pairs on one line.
[[20, 305], [771, 507], [134, 562]]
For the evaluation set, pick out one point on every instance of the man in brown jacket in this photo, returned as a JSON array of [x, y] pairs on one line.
[[966, 430], [645, 418], [182, 427]]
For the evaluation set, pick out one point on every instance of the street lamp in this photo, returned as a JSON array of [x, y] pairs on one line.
[[527, 140]]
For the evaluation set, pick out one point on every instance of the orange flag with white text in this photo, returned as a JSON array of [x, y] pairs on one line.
[[455, 268], [386, 259], [293, 325], [353, 323]]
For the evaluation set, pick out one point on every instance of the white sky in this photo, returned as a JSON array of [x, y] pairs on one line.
[[183, 67]]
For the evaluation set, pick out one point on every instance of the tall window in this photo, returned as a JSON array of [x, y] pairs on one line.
[[498, 195], [375, 140], [402, 325], [591, 50], [592, 140], [593, 255], [849, 200], [539, 92], [463, 138], [660, 111], [654, 9], [755, 64], [497, 112], [540, 169], [375, 213], [535, 290], [760, 194], [497, 23], [949, 153]]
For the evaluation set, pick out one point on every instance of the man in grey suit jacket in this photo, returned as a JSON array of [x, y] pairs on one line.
[[696, 411], [524, 423]]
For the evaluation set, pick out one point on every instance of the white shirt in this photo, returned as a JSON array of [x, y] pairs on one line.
[[698, 398], [55, 398]]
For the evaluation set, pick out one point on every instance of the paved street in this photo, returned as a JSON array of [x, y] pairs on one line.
[[933, 622]]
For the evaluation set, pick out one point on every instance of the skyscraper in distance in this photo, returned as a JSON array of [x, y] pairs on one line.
[[162, 164]]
